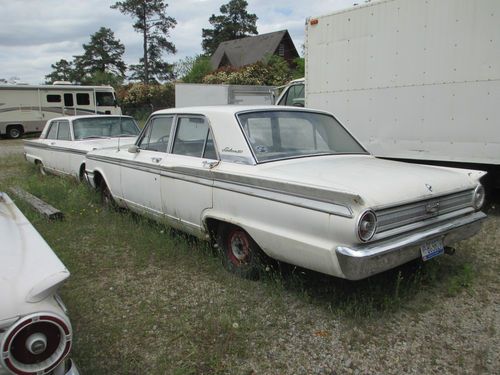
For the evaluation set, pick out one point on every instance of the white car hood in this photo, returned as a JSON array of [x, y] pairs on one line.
[[376, 181], [29, 269]]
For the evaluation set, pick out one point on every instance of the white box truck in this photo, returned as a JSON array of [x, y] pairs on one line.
[[194, 94], [26, 108], [411, 79]]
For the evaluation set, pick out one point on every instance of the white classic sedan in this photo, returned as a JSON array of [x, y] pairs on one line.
[[35, 331], [64, 141], [291, 183]]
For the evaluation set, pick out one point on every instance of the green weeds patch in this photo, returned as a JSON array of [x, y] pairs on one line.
[[147, 300]]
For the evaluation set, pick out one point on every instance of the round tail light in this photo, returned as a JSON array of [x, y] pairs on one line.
[[479, 197], [367, 225], [36, 344]]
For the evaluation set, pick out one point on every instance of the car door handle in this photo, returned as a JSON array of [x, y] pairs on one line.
[[209, 164], [155, 160]]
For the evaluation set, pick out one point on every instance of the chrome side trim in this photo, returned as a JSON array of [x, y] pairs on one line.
[[359, 262], [329, 208], [300, 196], [54, 148]]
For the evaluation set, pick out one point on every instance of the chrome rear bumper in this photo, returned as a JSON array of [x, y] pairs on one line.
[[365, 260]]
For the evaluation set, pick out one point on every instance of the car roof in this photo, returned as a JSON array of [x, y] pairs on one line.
[[71, 118], [231, 109]]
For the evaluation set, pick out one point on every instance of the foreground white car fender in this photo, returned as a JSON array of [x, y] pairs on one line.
[[35, 331]]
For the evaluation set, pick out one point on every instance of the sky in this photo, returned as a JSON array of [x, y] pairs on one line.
[[37, 33]]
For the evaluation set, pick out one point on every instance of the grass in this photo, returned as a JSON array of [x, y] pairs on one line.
[[147, 300]]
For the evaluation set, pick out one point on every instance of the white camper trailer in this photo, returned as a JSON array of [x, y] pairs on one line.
[[26, 108]]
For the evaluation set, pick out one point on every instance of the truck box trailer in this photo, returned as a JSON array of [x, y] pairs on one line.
[[411, 79], [26, 108], [194, 94]]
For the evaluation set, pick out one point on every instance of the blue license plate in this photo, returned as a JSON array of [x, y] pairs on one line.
[[431, 249]]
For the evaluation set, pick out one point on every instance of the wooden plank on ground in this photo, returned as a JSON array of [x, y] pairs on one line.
[[45, 209]]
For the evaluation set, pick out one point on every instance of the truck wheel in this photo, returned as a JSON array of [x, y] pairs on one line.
[[240, 254], [15, 132]]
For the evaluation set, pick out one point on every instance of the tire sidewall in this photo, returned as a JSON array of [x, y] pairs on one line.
[[252, 266], [17, 132]]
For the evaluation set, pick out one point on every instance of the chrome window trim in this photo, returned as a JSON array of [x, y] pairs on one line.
[[300, 110]]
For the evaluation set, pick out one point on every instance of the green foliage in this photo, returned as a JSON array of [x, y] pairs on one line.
[[275, 73], [195, 69], [101, 62], [300, 68], [153, 23], [103, 78], [63, 70], [233, 23], [140, 100], [103, 54]]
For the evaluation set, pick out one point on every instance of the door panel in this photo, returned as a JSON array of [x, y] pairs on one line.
[[140, 171], [187, 183]]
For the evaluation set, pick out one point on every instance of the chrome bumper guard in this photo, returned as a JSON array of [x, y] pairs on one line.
[[366, 260]]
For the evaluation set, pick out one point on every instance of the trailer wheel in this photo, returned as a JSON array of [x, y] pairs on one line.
[[14, 131], [240, 254]]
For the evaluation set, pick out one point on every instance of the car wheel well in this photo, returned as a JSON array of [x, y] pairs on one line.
[[211, 226], [240, 254], [98, 180], [41, 168]]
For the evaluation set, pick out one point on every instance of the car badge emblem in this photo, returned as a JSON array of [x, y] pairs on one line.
[[432, 207], [429, 187]]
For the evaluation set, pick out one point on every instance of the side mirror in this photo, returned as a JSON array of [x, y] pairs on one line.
[[133, 149]]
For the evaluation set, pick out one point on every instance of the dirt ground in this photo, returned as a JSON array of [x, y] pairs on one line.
[[144, 302], [11, 146]]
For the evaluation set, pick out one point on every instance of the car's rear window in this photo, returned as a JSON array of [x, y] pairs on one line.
[[275, 135], [103, 126]]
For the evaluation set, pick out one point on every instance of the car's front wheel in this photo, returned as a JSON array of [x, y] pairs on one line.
[[240, 254], [41, 168], [106, 196]]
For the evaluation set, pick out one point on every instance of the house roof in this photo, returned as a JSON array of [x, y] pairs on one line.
[[249, 50]]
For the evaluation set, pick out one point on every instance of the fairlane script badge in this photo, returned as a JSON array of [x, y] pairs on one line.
[[230, 149]]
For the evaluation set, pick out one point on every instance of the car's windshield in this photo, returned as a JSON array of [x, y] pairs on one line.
[[103, 126], [275, 135]]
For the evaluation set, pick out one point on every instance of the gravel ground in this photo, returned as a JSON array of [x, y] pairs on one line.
[[10, 146], [450, 329]]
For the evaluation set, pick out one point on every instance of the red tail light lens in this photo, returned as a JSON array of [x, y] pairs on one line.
[[36, 344]]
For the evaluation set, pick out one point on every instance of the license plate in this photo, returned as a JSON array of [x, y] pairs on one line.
[[431, 249]]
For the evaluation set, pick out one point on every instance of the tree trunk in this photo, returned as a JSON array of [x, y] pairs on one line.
[[145, 41]]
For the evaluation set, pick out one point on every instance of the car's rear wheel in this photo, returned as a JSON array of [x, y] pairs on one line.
[[240, 254]]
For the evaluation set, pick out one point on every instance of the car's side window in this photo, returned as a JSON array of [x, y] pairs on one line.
[[209, 152], [191, 136], [63, 132], [52, 134], [157, 135]]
